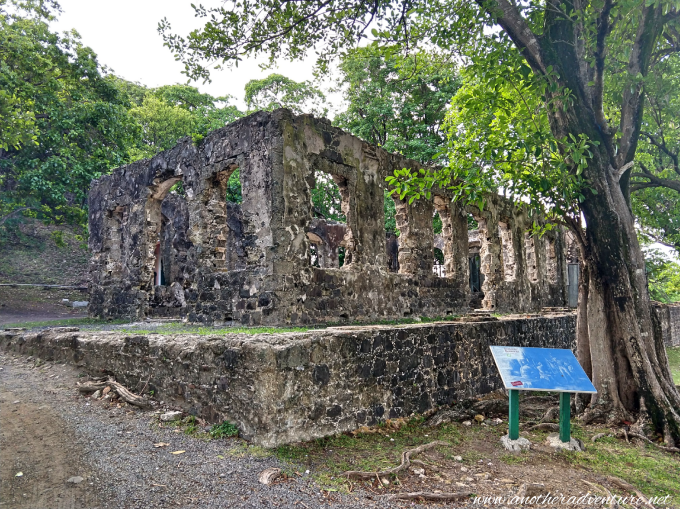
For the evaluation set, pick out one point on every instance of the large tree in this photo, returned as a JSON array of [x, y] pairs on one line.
[[63, 121], [395, 101], [278, 91], [577, 53]]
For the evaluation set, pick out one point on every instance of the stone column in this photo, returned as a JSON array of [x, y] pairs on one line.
[[208, 220], [490, 254], [455, 234], [369, 206], [416, 238]]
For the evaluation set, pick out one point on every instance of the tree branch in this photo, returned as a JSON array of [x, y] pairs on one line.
[[631, 112], [14, 212], [654, 181], [509, 18], [603, 27], [661, 145]]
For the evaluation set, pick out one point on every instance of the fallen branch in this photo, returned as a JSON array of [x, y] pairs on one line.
[[405, 463], [599, 435], [420, 463], [426, 495], [91, 386], [120, 389]]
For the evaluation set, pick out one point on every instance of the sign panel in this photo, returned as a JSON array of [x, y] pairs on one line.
[[541, 369]]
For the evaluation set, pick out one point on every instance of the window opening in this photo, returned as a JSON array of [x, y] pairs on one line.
[[390, 214], [476, 277], [326, 198], [234, 193], [438, 267], [328, 232], [159, 273], [437, 225], [313, 255]]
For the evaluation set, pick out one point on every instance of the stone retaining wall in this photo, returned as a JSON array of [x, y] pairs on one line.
[[289, 387], [669, 318]]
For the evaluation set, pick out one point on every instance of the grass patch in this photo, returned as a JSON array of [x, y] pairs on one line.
[[226, 429], [327, 458], [653, 472], [674, 361], [515, 459], [242, 450], [179, 328], [125, 326], [66, 322]]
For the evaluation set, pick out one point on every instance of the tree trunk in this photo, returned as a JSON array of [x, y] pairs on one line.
[[627, 353], [582, 338]]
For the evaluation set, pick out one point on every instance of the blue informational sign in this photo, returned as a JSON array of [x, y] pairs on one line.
[[541, 369]]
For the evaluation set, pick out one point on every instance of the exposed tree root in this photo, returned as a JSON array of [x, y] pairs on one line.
[[551, 414], [120, 389], [600, 435], [629, 434], [629, 488], [605, 414], [545, 426], [612, 501], [426, 495], [405, 462]]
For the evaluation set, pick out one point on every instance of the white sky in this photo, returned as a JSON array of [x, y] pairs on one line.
[[124, 36]]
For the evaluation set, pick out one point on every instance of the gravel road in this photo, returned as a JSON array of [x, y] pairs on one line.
[[51, 434]]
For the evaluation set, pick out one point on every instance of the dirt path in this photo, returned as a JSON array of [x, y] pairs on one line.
[[53, 434], [35, 441]]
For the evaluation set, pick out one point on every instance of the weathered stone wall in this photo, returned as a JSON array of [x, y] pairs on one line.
[[252, 262], [669, 319], [281, 388]]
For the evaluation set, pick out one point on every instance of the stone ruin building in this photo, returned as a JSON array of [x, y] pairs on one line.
[[165, 241]]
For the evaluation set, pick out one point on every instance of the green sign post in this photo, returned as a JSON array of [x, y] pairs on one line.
[[565, 417], [540, 369], [513, 418]]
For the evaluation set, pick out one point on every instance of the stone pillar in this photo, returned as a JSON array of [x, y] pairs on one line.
[[347, 207], [490, 254], [416, 238], [508, 252], [208, 221], [530, 242], [368, 222], [455, 234]]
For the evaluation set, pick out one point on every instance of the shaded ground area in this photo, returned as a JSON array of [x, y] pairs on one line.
[[37, 304], [55, 434], [32, 252], [129, 459]]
